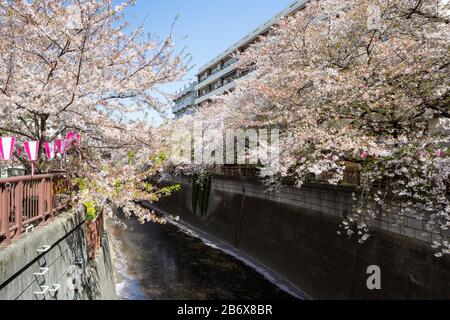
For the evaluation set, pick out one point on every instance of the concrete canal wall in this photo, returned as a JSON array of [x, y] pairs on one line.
[[294, 233], [51, 263]]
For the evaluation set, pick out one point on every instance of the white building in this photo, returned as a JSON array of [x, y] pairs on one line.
[[218, 75], [184, 100]]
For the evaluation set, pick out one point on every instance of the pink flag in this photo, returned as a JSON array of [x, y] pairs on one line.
[[19, 151], [70, 136], [7, 147], [69, 139], [31, 148], [50, 150], [60, 146]]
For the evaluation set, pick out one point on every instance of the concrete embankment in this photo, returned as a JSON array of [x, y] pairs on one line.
[[51, 263], [294, 233]]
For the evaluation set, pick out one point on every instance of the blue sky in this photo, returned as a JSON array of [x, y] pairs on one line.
[[204, 27]]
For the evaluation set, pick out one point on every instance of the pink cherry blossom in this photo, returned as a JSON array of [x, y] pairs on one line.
[[78, 66], [337, 81]]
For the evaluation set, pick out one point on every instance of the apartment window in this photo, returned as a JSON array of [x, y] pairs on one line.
[[202, 92], [229, 78], [229, 62], [216, 68], [215, 85], [202, 76], [245, 72]]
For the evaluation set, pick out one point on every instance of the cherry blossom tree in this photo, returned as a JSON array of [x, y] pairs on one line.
[[360, 81], [70, 65]]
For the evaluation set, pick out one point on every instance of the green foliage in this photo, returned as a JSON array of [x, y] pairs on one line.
[[118, 186], [161, 192], [148, 187], [166, 191], [159, 159], [91, 211], [82, 184], [131, 156]]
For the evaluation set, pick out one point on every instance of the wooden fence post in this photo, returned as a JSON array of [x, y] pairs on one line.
[[18, 196], [41, 199], [49, 200], [5, 214]]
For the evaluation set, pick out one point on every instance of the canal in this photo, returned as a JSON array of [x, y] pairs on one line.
[[162, 262]]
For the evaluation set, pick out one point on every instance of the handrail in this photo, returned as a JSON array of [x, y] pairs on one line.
[[24, 202], [29, 178]]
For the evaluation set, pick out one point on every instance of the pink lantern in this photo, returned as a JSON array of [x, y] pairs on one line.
[[70, 136], [50, 150], [60, 146], [69, 139], [31, 148], [7, 147]]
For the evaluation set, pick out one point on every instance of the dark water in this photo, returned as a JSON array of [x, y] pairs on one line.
[[160, 262]]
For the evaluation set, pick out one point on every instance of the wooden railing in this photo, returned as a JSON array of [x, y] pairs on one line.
[[237, 171], [25, 202]]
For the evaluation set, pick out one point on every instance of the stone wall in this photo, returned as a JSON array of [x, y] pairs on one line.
[[55, 255], [294, 233]]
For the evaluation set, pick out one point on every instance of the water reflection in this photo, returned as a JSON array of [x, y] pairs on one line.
[[160, 262]]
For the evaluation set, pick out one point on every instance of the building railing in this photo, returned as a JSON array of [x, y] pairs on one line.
[[27, 201], [229, 63]]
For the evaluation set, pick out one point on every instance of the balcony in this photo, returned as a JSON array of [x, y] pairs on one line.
[[227, 85], [215, 92], [203, 77], [215, 77], [184, 103], [229, 62]]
